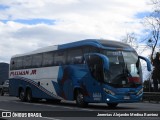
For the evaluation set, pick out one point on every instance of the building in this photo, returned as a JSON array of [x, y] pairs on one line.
[[4, 72]]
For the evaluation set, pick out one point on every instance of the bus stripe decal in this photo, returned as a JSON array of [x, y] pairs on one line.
[[39, 87]]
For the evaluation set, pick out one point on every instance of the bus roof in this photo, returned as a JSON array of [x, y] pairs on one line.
[[104, 44]]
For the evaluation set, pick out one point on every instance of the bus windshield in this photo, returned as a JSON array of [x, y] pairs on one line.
[[124, 69]]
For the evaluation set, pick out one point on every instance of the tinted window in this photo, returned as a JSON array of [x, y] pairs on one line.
[[19, 63], [27, 61], [93, 49], [59, 58], [48, 59], [95, 64], [90, 49], [75, 56], [37, 60], [86, 50], [13, 64], [16, 63]]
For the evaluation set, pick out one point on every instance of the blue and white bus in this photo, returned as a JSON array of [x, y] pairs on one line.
[[88, 71]]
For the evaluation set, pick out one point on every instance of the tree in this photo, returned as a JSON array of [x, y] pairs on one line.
[[152, 23], [130, 39]]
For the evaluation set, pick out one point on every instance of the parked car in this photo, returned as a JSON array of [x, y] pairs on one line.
[[4, 88]]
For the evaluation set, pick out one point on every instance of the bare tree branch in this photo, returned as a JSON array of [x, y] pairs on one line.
[[130, 39], [152, 23]]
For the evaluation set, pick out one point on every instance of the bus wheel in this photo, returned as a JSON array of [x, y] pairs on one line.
[[1, 92], [22, 95], [112, 105], [29, 95], [53, 101], [80, 100]]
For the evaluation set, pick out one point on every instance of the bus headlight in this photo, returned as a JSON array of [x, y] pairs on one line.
[[140, 92], [108, 91]]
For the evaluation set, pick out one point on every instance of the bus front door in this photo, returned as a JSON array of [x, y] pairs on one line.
[[95, 79]]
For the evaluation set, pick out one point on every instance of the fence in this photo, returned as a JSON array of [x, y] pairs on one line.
[[151, 96]]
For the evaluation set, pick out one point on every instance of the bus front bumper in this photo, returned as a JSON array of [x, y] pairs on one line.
[[122, 98]]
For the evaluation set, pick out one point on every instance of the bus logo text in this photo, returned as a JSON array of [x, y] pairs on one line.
[[24, 72]]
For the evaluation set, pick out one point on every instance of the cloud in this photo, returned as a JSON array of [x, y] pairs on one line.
[[19, 38], [32, 21], [27, 25]]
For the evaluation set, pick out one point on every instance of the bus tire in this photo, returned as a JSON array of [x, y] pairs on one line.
[[80, 99], [1, 92], [29, 97], [56, 101], [112, 105], [22, 96]]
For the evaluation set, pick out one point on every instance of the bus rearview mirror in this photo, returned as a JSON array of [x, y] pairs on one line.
[[147, 61]]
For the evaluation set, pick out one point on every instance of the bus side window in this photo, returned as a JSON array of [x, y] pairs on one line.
[[18, 64], [93, 49], [12, 64], [86, 50], [75, 56], [48, 59], [37, 60], [90, 49], [95, 65], [59, 58], [27, 62]]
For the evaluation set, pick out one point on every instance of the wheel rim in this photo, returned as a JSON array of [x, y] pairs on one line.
[[28, 97], [21, 96], [80, 98]]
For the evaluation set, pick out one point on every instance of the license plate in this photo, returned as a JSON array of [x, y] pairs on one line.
[[126, 97]]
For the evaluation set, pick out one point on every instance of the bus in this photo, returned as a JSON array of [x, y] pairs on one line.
[[86, 71]]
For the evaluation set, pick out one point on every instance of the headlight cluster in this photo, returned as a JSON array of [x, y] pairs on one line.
[[108, 91], [140, 92]]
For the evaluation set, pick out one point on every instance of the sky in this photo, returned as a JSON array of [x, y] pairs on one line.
[[26, 25]]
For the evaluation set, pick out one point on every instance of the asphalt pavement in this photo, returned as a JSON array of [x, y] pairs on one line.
[[67, 110]]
